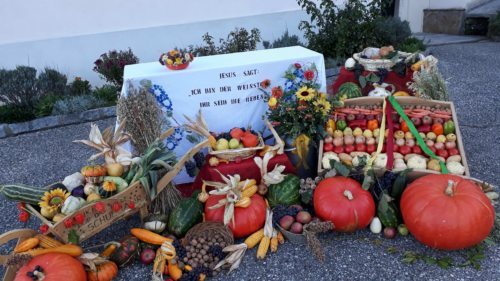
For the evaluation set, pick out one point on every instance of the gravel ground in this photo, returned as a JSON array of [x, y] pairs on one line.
[[472, 71]]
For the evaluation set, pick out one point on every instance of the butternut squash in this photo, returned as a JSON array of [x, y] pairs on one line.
[[174, 271], [148, 236], [26, 245], [69, 249]]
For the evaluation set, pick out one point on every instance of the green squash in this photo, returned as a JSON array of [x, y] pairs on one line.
[[186, 214], [120, 183], [349, 90], [284, 193]]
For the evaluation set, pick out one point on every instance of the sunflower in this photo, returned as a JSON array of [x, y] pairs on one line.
[[305, 93], [53, 199], [323, 106]]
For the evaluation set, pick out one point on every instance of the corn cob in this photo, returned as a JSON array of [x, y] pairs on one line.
[[281, 238], [243, 202], [274, 241], [246, 183], [249, 191], [47, 242], [263, 247], [254, 239]]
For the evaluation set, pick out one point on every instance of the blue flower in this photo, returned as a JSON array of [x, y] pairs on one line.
[[178, 133], [171, 145], [161, 97]]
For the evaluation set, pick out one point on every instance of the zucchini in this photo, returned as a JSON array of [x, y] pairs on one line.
[[22, 193]]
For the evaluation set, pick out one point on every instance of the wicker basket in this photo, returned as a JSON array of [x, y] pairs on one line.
[[96, 222], [244, 153], [208, 230], [375, 64]]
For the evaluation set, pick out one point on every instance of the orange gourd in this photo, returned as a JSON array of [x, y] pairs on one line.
[[447, 212], [104, 272], [54, 267]]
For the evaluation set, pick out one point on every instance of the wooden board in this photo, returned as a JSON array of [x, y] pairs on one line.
[[409, 101]]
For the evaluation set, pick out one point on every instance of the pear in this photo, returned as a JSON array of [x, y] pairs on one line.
[[222, 144]]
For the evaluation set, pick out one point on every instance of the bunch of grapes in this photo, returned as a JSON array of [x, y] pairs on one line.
[[179, 249], [226, 136], [199, 159], [385, 182], [191, 168]]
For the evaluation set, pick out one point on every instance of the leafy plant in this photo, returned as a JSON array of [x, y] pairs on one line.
[[391, 31], [52, 81], [79, 87], [339, 31], [428, 83], [18, 87], [238, 40], [13, 113], [45, 105], [110, 65], [76, 104], [108, 93], [286, 40], [494, 27], [412, 45]]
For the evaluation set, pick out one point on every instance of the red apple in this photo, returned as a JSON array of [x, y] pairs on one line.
[[416, 121], [442, 152], [453, 151], [296, 228], [361, 147], [404, 149], [328, 139], [427, 120], [338, 149], [303, 217], [370, 148], [286, 222], [338, 141], [400, 142], [349, 148], [327, 147], [438, 121], [416, 149], [450, 144]]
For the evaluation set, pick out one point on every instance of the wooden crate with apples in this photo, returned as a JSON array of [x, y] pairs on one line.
[[444, 140]]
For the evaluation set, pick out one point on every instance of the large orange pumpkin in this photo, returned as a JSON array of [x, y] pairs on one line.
[[246, 220], [447, 212], [342, 201], [54, 267], [105, 272]]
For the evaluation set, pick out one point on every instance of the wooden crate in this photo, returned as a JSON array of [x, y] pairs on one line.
[[410, 101], [96, 222]]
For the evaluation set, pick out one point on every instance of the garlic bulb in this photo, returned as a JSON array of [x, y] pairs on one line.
[[349, 63]]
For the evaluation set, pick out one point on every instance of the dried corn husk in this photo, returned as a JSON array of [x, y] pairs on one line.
[[273, 177]]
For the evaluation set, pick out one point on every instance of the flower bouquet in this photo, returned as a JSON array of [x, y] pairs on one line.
[[176, 59]]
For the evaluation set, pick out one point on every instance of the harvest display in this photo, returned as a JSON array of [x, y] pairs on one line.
[[394, 166]]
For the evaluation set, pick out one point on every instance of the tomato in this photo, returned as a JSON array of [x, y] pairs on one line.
[[338, 149], [404, 127], [437, 129], [372, 124], [348, 148], [370, 148], [327, 147]]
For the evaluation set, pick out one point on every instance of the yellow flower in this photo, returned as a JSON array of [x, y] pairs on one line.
[[170, 62], [272, 102], [322, 96], [53, 199], [323, 106], [305, 94], [178, 60]]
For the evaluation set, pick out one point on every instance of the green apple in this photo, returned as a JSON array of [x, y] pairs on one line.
[[222, 144], [234, 143]]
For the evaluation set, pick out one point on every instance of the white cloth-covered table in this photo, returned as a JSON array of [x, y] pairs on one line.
[[225, 87]]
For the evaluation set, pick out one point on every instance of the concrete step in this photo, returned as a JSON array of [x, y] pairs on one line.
[[485, 10]]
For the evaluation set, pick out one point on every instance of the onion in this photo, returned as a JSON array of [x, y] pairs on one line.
[[360, 139], [429, 142], [439, 145], [390, 232], [410, 142], [328, 139], [338, 141], [370, 140], [450, 144], [400, 142], [348, 140]]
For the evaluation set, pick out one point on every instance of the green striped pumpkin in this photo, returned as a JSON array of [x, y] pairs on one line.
[[22, 193], [185, 215]]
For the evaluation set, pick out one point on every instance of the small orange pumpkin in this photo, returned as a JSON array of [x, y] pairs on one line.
[[93, 173], [104, 272]]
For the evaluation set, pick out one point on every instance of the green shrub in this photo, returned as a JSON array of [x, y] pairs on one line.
[[238, 40], [46, 104], [494, 27], [14, 114], [391, 31], [107, 93], [339, 31], [286, 40], [52, 81], [18, 87], [110, 65], [77, 104], [412, 45], [79, 87]]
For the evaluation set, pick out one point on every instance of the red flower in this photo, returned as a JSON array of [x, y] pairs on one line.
[[44, 228], [131, 205], [100, 207], [24, 216], [301, 107], [68, 223], [116, 207], [264, 84], [79, 218], [277, 92], [309, 75], [21, 206], [297, 65]]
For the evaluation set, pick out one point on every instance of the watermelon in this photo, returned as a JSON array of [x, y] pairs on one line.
[[349, 90], [185, 215], [285, 192]]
